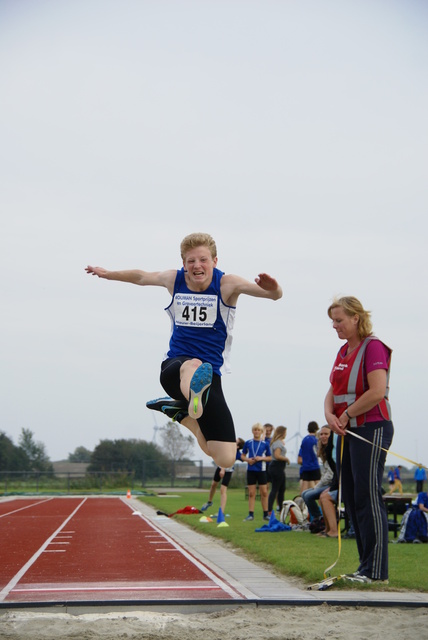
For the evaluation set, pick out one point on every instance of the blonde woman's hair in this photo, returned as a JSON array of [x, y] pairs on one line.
[[198, 240], [279, 434], [258, 425], [353, 307]]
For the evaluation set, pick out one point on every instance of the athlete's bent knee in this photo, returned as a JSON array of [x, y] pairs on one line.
[[223, 453], [190, 364]]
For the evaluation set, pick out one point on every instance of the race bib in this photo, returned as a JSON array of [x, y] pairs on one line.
[[195, 310]]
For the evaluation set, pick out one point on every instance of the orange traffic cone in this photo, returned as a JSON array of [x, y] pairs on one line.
[[128, 493]]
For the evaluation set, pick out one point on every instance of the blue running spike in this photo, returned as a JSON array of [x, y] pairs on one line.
[[199, 390]]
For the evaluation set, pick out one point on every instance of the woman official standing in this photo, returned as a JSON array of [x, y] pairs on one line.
[[357, 402]]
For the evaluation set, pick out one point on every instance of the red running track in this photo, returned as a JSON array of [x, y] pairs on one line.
[[95, 549]]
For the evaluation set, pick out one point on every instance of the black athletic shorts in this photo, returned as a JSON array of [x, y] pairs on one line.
[[225, 479], [256, 477], [309, 476], [216, 422]]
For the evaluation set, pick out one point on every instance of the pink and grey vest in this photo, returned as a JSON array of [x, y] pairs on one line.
[[349, 382]]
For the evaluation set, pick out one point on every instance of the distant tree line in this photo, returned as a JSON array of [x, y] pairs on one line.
[[139, 456], [136, 456], [127, 456], [28, 455]]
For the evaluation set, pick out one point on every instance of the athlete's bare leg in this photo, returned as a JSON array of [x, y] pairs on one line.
[[187, 370], [195, 382], [223, 453], [223, 498], [194, 428]]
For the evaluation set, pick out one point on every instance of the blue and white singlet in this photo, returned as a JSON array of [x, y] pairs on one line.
[[201, 323]]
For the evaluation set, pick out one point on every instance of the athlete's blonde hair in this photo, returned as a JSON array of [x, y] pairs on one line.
[[194, 240], [353, 307], [258, 425]]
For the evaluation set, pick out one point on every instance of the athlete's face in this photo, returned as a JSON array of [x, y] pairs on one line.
[[346, 326], [199, 266]]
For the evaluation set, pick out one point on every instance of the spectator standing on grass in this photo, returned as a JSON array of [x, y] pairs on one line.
[[225, 476], [256, 452], [420, 477], [325, 453], [268, 430], [397, 480], [268, 433], [277, 467], [308, 459], [391, 479]]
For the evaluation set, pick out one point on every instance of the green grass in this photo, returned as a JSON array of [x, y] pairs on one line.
[[294, 553]]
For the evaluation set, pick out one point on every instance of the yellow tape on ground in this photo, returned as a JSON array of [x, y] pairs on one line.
[[339, 502]]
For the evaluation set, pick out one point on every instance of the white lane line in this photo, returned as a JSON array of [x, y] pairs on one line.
[[218, 581], [29, 506], [14, 581], [160, 587]]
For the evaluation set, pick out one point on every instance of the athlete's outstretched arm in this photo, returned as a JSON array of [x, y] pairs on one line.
[[136, 276], [264, 287]]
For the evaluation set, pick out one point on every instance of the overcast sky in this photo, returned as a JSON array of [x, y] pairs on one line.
[[294, 132]]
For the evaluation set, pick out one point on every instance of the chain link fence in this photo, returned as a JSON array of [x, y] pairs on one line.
[[175, 474]]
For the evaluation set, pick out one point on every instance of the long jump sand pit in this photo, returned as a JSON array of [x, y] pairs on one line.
[[240, 623]]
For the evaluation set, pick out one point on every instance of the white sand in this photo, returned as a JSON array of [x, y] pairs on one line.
[[243, 623]]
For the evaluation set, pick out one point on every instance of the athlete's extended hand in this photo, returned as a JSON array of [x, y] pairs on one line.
[[96, 271], [266, 282]]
